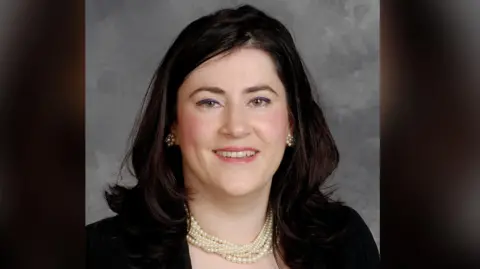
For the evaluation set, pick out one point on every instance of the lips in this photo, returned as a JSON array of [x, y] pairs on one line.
[[236, 153]]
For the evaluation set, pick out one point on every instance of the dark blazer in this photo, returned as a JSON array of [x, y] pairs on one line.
[[356, 249]]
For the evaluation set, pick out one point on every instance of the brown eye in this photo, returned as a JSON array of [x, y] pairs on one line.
[[260, 102], [207, 103]]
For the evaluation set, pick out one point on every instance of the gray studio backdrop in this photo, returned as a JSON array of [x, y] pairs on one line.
[[338, 40]]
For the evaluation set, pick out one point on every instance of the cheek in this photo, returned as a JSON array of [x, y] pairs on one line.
[[274, 125], [192, 129]]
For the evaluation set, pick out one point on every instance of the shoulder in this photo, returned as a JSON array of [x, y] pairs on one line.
[[105, 231], [348, 219], [105, 246], [106, 224], [353, 243]]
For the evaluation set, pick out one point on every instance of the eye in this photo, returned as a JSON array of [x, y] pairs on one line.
[[260, 102], [208, 103]]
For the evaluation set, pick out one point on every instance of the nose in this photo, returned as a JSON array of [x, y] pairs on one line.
[[235, 123]]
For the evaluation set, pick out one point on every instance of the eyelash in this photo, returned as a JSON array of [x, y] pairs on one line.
[[210, 103], [265, 101], [206, 103]]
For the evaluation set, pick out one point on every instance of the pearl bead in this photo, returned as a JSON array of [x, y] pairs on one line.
[[248, 253]]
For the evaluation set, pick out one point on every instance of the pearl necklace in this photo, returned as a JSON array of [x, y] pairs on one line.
[[248, 253]]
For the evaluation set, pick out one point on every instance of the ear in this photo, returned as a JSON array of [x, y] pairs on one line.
[[174, 131], [173, 128], [291, 123]]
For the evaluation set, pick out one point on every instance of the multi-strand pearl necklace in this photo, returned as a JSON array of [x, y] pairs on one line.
[[249, 253]]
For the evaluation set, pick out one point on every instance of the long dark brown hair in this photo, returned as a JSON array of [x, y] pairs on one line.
[[153, 211]]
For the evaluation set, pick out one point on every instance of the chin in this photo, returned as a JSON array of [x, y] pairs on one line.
[[241, 188], [238, 192]]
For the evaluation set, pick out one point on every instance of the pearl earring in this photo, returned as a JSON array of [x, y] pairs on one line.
[[170, 139], [290, 140]]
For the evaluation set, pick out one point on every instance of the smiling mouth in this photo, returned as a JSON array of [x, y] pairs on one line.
[[243, 154]]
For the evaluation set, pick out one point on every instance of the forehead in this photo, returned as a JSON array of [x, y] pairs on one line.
[[239, 69]]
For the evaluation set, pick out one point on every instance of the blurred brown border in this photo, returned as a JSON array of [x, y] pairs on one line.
[[428, 136], [43, 136]]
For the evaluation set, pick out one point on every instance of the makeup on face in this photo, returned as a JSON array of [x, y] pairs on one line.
[[234, 154], [215, 97], [232, 121]]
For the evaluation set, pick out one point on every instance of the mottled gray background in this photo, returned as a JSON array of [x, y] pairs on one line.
[[338, 39]]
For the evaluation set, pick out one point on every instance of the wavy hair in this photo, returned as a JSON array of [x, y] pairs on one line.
[[153, 210]]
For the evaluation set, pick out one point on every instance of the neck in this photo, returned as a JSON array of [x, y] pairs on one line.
[[237, 220]]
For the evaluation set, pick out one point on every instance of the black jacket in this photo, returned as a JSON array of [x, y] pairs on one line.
[[106, 248]]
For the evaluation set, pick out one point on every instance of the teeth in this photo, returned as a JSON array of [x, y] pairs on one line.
[[236, 154]]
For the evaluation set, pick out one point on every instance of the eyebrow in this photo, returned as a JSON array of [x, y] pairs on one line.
[[217, 90]]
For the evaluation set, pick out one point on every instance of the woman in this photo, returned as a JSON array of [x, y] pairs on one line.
[[230, 154]]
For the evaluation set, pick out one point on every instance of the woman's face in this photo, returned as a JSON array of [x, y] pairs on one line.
[[232, 123]]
